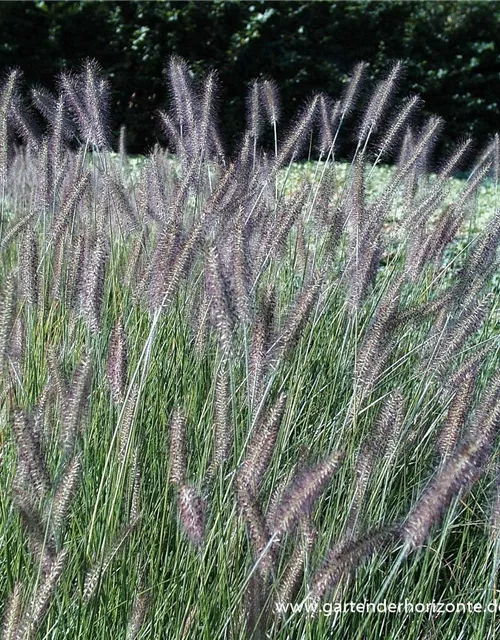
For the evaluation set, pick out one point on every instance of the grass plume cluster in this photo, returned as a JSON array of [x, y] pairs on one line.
[[224, 392]]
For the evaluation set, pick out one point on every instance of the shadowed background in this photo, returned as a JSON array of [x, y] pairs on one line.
[[451, 52]]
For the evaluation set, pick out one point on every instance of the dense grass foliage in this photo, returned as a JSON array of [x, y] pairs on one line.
[[231, 385]]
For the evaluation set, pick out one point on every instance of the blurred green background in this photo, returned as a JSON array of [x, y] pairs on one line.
[[451, 50]]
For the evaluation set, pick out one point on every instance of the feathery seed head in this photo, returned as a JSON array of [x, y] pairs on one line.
[[344, 560], [269, 96], [117, 362], [12, 612], [352, 89], [7, 93], [74, 405], [297, 136], [65, 492], [43, 597], [261, 446], [178, 451], [192, 514], [254, 116], [95, 574], [223, 424], [325, 124], [457, 475], [303, 492], [378, 102], [182, 94], [139, 612]]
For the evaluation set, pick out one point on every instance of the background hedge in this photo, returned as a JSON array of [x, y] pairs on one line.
[[452, 51]]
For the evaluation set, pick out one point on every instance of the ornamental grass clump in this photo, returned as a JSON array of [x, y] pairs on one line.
[[233, 387]]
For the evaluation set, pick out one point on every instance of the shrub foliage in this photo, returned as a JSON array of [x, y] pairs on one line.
[[450, 50]]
